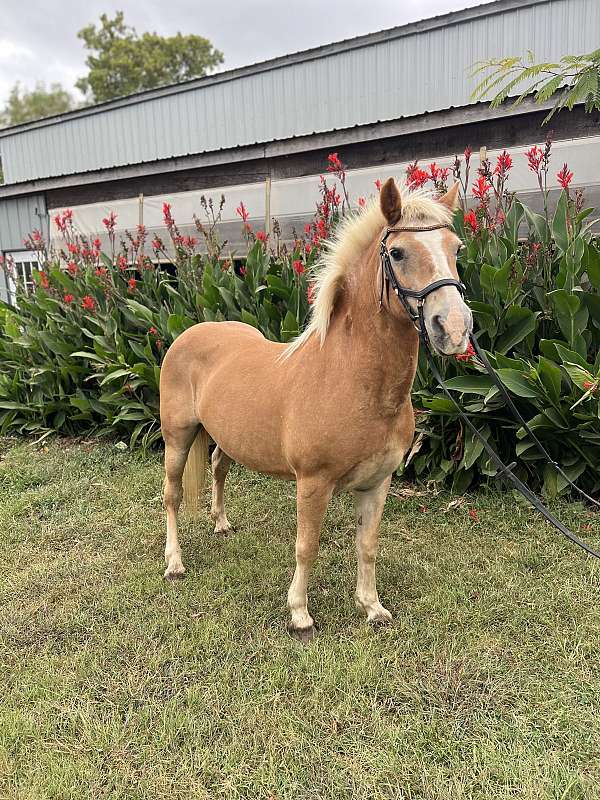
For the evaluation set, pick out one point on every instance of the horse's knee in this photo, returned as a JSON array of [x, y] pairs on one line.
[[173, 494]]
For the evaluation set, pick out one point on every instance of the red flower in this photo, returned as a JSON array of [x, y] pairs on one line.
[[535, 157], [307, 248], [36, 236], [242, 212], [362, 202], [471, 221], [503, 164], [72, 268], [88, 303], [378, 185], [467, 355], [152, 331], [44, 282], [242, 271], [189, 241], [72, 248], [110, 222], [310, 294], [157, 244], [131, 283], [97, 244], [101, 272], [468, 153], [167, 216], [416, 177], [307, 229], [262, 236], [298, 267], [564, 177], [334, 163], [481, 188], [68, 298], [122, 263]]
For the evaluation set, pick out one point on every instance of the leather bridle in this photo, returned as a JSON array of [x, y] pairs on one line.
[[388, 278]]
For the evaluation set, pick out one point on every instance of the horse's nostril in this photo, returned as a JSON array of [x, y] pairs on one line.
[[437, 323]]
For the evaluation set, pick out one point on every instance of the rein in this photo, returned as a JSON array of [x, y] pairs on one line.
[[388, 277]]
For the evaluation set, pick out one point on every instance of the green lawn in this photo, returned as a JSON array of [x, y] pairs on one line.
[[116, 684]]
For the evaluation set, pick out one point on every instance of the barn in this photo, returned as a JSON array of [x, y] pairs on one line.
[[261, 133]]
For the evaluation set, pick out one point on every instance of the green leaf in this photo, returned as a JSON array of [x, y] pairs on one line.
[[140, 310], [517, 383], [471, 384], [520, 322], [560, 232]]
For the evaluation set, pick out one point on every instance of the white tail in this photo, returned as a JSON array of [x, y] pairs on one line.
[[194, 473]]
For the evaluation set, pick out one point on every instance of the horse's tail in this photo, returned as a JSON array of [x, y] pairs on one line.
[[194, 473]]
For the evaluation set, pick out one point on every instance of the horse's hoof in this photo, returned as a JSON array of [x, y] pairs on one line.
[[174, 574], [380, 618], [224, 531], [302, 635]]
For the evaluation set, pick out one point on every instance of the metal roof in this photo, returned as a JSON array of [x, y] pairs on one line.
[[402, 72]]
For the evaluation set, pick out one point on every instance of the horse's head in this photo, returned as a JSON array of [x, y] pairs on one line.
[[419, 258]]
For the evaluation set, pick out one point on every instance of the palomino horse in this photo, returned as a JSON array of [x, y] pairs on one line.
[[332, 410]]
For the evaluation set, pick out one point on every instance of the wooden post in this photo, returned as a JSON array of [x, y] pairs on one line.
[[482, 154], [268, 205], [140, 209]]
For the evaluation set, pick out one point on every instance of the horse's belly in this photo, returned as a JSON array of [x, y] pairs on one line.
[[373, 470]]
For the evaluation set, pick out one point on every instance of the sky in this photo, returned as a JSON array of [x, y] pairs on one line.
[[38, 40]]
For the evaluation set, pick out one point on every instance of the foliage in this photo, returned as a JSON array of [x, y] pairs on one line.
[[574, 79], [120, 61], [23, 105], [83, 352]]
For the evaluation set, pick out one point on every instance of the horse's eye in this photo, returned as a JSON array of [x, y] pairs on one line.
[[397, 254]]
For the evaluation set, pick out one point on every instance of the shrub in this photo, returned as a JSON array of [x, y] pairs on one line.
[[83, 352]]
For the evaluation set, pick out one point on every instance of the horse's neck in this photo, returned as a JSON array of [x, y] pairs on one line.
[[375, 348]]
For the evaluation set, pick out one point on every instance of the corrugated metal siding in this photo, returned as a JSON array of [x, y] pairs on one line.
[[421, 72], [18, 217]]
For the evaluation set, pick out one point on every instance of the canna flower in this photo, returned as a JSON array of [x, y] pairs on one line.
[[471, 221], [72, 248], [122, 263], [167, 216], [242, 271], [131, 283], [298, 267], [88, 303], [503, 164], [334, 163], [262, 236], [44, 282], [481, 188], [110, 221], [68, 298], [97, 244], [72, 268], [535, 156], [416, 177], [152, 331], [564, 177], [307, 229], [378, 185], [468, 153], [101, 272], [467, 355], [362, 202], [157, 244], [242, 212]]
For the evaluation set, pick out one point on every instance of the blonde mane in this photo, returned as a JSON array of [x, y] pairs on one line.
[[352, 236]]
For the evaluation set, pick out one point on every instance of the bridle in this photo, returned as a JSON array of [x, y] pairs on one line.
[[388, 278]]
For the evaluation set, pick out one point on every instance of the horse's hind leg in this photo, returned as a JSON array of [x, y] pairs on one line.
[[220, 467], [177, 447]]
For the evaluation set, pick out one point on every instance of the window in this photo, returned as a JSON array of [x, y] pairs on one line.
[[24, 263]]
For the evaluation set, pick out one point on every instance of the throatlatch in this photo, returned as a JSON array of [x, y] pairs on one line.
[[388, 277]]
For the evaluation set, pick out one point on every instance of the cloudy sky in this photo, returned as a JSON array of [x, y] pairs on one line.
[[38, 40]]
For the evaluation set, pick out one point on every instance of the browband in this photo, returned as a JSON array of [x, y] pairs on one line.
[[419, 229]]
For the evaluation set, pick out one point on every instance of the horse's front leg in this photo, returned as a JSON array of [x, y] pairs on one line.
[[369, 508], [312, 497]]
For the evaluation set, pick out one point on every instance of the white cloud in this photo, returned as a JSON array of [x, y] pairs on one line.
[[11, 50]]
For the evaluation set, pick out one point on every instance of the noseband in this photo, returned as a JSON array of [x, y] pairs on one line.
[[388, 276]]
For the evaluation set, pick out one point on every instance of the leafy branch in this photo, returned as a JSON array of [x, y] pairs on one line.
[[573, 79]]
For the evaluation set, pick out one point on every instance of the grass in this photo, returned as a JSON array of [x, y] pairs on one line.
[[116, 684]]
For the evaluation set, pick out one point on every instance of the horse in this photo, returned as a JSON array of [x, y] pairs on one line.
[[332, 409]]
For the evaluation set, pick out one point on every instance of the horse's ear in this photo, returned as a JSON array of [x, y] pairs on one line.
[[390, 202], [450, 199]]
